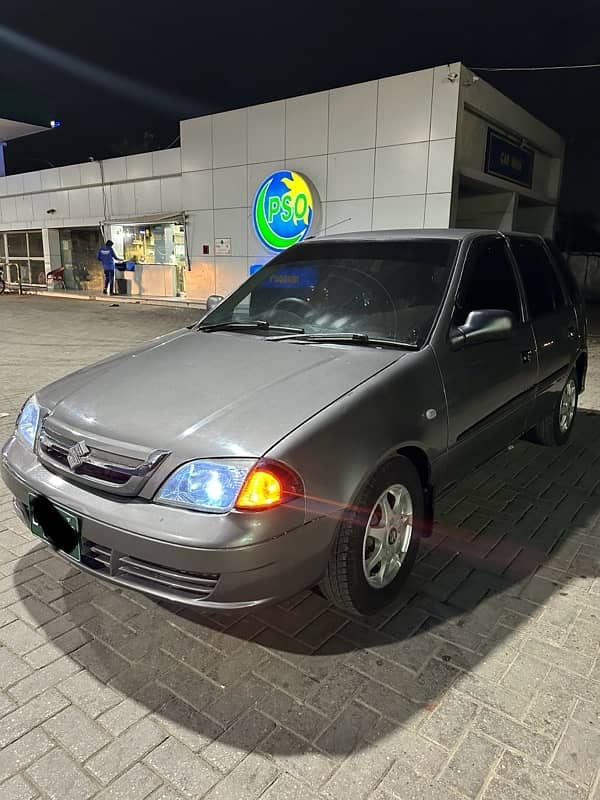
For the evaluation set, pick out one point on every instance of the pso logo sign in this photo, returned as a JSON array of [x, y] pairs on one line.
[[284, 210]]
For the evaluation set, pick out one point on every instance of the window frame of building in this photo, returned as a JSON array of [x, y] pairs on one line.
[[32, 267]]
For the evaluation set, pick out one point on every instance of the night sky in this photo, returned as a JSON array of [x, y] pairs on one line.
[[112, 71]]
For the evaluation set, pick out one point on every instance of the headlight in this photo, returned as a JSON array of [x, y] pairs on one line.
[[28, 421], [219, 486], [205, 485]]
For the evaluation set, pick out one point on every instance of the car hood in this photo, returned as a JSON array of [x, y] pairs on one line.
[[201, 394]]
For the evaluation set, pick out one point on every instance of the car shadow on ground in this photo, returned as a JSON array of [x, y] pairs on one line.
[[515, 554]]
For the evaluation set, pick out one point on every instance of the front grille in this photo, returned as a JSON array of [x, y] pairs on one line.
[[140, 574], [97, 467]]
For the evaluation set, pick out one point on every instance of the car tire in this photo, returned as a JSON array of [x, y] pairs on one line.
[[351, 581], [556, 428]]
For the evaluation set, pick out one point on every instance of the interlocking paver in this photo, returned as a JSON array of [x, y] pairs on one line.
[[482, 678], [28, 716], [186, 771], [248, 780], [530, 779], [578, 754], [77, 733], [60, 778], [126, 750], [136, 784], [471, 764], [18, 788]]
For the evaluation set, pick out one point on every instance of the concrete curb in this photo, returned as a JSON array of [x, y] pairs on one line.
[[165, 302]]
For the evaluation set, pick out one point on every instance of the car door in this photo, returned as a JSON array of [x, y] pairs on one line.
[[489, 386], [553, 317]]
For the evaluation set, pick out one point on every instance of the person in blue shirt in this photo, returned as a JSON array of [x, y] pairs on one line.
[[107, 257]]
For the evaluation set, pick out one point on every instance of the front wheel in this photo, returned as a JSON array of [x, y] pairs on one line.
[[377, 540], [555, 430]]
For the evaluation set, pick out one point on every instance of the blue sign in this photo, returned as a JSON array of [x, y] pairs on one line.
[[506, 159], [299, 277]]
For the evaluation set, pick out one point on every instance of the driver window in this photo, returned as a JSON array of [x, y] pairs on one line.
[[488, 281]]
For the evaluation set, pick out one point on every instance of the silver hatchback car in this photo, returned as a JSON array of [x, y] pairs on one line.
[[300, 432]]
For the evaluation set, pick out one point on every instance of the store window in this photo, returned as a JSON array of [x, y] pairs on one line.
[[23, 252], [157, 244]]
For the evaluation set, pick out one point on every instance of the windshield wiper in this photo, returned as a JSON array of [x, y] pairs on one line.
[[345, 338], [258, 324]]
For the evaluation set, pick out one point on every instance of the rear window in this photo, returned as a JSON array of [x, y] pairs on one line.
[[542, 286]]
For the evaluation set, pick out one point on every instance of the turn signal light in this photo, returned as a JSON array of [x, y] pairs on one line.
[[268, 484]]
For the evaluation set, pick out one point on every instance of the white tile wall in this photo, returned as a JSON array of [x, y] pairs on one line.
[[60, 202], [40, 206], [230, 138], [115, 170], [233, 223], [266, 132], [352, 117], [50, 179], [230, 187], [201, 231], [79, 202], [441, 166], [390, 213], [315, 169], [171, 193], [122, 200], [444, 109], [70, 176], [230, 272], [96, 197], [437, 210], [404, 108], [90, 173], [14, 184], [306, 125], [166, 162], [348, 215], [8, 209], [401, 169], [197, 190], [350, 175], [2, 186], [196, 144], [139, 166], [24, 207], [147, 197], [32, 182]]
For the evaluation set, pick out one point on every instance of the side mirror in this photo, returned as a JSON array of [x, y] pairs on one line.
[[213, 301], [488, 325]]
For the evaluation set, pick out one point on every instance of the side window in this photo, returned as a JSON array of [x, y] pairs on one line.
[[488, 281], [542, 287]]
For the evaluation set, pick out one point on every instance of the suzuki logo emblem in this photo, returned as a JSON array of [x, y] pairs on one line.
[[77, 454]]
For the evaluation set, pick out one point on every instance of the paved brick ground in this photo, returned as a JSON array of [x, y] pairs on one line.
[[482, 682]]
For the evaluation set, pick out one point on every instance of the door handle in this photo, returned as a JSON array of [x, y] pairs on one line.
[[527, 356]]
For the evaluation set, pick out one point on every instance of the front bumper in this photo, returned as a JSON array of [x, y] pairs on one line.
[[264, 557]]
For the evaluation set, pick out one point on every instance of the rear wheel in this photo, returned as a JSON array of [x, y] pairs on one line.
[[377, 541], [555, 430]]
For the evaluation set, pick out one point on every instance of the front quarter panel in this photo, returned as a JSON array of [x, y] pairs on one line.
[[337, 450]]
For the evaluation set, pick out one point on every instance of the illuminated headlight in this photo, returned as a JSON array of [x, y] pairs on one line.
[[28, 421], [220, 486], [206, 485]]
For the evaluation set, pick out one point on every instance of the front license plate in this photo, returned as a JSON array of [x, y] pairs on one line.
[[72, 546]]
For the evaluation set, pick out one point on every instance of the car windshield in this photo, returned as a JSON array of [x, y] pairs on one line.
[[386, 290]]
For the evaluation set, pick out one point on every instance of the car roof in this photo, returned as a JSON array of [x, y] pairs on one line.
[[457, 234]]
